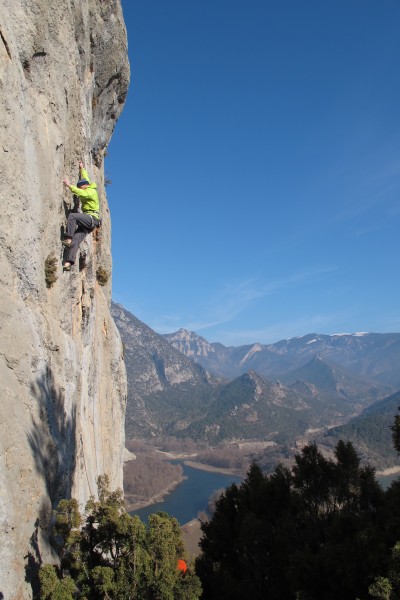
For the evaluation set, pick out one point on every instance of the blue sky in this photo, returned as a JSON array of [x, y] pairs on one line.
[[255, 169]]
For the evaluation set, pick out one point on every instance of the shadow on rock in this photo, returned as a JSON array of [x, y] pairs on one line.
[[52, 441], [33, 561], [52, 438]]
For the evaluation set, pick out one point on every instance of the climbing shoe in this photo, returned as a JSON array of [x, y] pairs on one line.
[[67, 267], [66, 242]]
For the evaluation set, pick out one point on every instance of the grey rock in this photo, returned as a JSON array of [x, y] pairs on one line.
[[64, 76], [159, 378]]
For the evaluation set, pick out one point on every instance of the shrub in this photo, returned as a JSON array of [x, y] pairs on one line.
[[50, 270], [52, 588], [102, 275]]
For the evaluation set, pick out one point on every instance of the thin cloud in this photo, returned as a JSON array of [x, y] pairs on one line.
[[171, 324], [281, 331], [236, 297], [367, 230], [390, 322], [373, 183]]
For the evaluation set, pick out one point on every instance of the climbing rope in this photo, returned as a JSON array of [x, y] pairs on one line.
[[84, 462]]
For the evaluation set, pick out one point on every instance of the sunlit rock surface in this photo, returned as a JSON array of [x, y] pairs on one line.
[[64, 76]]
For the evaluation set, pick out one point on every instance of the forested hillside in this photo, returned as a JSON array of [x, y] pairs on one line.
[[370, 432]]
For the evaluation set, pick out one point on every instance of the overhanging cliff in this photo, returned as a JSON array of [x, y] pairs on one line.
[[64, 76]]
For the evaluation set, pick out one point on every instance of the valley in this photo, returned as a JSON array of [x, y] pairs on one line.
[[226, 407]]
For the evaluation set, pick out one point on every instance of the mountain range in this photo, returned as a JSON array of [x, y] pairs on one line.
[[375, 356], [184, 386]]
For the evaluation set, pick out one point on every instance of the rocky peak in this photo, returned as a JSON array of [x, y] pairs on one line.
[[253, 350], [189, 343]]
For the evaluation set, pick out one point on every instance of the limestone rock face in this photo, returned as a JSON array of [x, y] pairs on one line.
[[64, 76]]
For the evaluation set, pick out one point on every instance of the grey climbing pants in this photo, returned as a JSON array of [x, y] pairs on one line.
[[78, 226]]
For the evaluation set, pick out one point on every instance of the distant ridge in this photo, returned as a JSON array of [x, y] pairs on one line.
[[336, 380], [372, 355]]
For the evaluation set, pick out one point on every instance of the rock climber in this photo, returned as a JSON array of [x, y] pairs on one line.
[[81, 223]]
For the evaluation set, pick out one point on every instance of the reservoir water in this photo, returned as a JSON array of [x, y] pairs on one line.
[[193, 494], [387, 480], [190, 496]]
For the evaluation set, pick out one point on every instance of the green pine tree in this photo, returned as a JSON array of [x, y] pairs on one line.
[[109, 555]]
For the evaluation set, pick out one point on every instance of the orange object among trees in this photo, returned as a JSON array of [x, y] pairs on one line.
[[181, 566]]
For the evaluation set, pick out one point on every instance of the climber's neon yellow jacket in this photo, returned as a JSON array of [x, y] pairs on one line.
[[89, 197]]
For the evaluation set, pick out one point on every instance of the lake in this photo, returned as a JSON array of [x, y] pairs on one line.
[[190, 496], [193, 494], [386, 480]]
